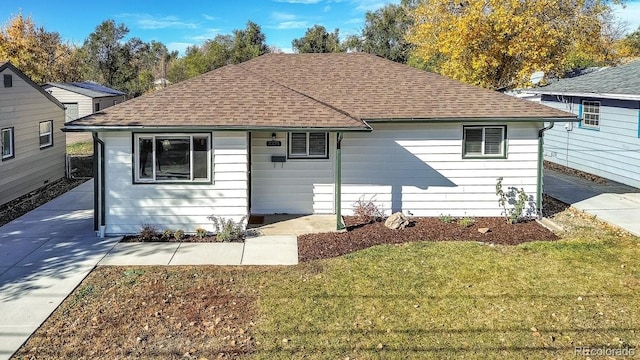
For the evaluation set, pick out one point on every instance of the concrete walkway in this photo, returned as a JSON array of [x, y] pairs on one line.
[[45, 254], [614, 203]]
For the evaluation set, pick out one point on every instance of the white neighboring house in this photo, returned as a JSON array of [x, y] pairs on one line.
[[311, 134], [83, 98], [606, 141], [32, 144]]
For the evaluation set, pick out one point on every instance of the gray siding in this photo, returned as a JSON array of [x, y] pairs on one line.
[[612, 151], [23, 107]]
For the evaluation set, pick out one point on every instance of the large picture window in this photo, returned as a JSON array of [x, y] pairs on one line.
[[46, 134], [309, 145], [172, 157], [484, 141], [591, 114], [6, 140]]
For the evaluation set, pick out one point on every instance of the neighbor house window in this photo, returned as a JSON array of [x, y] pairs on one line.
[[309, 145], [484, 141], [172, 157], [591, 114], [96, 107], [8, 80], [6, 140], [46, 134]]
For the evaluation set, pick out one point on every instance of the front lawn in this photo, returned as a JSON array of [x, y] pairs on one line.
[[419, 300]]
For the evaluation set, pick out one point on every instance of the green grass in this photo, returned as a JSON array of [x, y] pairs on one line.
[[453, 300], [80, 148]]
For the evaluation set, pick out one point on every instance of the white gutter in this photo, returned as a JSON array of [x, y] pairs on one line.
[[631, 97]]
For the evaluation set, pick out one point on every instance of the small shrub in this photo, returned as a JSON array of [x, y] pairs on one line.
[[178, 235], [167, 234], [201, 233], [516, 197], [367, 211], [466, 221], [226, 229], [447, 219], [148, 233]]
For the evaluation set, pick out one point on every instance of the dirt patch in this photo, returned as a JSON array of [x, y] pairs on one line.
[[22, 205], [171, 313], [573, 172], [362, 236]]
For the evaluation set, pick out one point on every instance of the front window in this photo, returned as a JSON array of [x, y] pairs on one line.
[[173, 157], [96, 107], [591, 114], [6, 140], [309, 145], [46, 134], [484, 141]]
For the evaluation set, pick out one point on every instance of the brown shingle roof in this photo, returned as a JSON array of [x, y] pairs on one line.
[[370, 87], [314, 90]]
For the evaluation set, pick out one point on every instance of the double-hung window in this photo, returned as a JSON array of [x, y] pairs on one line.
[[6, 140], [309, 145], [46, 134], [172, 158], [484, 141], [591, 114]]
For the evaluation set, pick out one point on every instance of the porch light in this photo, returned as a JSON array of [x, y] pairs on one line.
[[273, 136]]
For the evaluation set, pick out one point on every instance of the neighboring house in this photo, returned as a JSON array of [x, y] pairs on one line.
[[311, 134], [606, 142], [84, 98], [32, 144]]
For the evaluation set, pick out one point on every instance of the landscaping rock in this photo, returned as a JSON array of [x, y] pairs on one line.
[[396, 221], [484, 230]]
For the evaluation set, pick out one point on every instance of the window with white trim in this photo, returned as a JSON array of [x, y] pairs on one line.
[[484, 141], [309, 145], [591, 114], [6, 140], [46, 134], [172, 158]]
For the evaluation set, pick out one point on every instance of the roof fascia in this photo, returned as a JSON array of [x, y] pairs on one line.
[[612, 96], [72, 128], [567, 118]]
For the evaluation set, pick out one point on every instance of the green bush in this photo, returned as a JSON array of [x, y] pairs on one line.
[[201, 233], [466, 221], [515, 197], [447, 219]]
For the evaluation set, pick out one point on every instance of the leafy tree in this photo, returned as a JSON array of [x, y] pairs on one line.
[[248, 43], [500, 43], [630, 45], [384, 33], [105, 53], [41, 55], [317, 40]]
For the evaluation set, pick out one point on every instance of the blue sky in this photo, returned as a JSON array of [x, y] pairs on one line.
[[193, 21]]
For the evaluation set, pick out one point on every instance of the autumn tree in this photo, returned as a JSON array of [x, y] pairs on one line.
[[40, 54], [500, 43], [317, 40], [384, 33], [630, 45]]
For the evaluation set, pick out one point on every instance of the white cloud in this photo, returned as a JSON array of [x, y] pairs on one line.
[[280, 16], [209, 17], [150, 22], [327, 8], [208, 34], [371, 5], [292, 25]]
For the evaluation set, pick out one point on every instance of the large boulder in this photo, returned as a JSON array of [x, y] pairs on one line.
[[396, 221]]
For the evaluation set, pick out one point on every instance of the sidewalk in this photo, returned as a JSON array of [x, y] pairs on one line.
[[614, 203], [46, 253]]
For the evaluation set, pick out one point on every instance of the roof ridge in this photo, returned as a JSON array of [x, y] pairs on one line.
[[343, 112]]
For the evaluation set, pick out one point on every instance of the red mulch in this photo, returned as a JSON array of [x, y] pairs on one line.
[[327, 245]]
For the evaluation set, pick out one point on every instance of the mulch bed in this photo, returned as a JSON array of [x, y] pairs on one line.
[[358, 237]]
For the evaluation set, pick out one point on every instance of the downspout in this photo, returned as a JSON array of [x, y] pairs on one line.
[[99, 176], [540, 166], [338, 184]]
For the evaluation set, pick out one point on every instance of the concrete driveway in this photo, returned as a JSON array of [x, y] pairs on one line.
[[614, 203]]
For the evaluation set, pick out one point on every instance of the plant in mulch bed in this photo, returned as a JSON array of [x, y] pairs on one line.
[[228, 230], [366, 211], [447, 219], [148, 233], [179, 234], [167, 234], [515, 197], [466, 221], [201, 233]]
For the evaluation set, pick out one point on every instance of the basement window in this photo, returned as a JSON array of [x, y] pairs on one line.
[[309, 145], [172, 158], [484, 141]]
